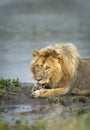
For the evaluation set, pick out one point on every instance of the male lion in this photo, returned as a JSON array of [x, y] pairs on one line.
[[59, 70]]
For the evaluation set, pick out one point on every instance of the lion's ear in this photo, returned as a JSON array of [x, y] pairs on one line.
[[52, 52], [35, 53], [60, 58], [56, 55]]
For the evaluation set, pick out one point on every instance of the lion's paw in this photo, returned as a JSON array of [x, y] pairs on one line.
[[36, 94], [39, 93]]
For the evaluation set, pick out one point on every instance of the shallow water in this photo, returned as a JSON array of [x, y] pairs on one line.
[[13, 113], [26, 25]]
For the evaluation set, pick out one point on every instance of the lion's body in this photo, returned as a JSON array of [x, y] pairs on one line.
[[59, 70], [82, 84]]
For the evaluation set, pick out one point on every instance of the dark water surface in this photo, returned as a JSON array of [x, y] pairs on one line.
[[26, 25]]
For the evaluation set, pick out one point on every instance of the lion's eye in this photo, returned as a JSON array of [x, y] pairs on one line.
[[47, 69], [36, 67]]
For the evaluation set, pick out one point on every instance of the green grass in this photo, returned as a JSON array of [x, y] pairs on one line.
[[81, 111], [8, 85], [56, 99], [79, 98], [70, 123]]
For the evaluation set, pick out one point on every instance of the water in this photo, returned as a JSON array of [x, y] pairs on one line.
[[26, 25], [13, 113]]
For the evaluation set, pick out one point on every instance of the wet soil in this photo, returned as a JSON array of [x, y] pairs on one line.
[[23, 104]]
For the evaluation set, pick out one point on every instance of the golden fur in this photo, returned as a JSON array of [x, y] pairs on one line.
[[59, 70]]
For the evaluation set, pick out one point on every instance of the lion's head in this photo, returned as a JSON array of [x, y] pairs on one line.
[[54, 66]]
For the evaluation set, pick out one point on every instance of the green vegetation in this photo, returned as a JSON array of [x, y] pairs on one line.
[[79, 98], [81, 111], [64, 99], [56, 99], [70, 123], [8, 86]]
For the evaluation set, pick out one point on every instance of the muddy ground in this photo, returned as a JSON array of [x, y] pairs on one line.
[[22, 103]]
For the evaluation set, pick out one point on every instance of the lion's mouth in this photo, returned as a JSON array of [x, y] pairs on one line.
[[44, 85]]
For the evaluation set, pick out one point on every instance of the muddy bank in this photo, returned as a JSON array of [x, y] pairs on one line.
[[20, 103]]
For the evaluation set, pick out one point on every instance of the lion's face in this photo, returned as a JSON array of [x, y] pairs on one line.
[[46, 69]]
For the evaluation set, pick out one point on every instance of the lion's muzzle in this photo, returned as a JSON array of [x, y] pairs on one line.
[[40, 85]]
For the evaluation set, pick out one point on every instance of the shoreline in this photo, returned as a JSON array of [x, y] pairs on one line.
[[20, 105], [23, 96]]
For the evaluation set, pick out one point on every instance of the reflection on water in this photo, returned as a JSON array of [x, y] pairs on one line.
[[26, 25], [13, 112], [32, 114]]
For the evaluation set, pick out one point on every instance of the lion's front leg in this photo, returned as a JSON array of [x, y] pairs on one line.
[[49, 92]]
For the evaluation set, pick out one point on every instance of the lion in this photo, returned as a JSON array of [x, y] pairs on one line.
[[59, 70]]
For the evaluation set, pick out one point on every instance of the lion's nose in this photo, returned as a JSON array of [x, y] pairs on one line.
[[38, 79]]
